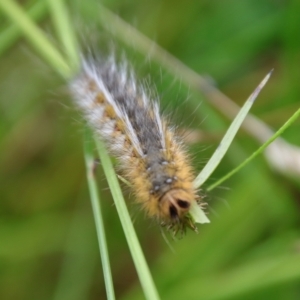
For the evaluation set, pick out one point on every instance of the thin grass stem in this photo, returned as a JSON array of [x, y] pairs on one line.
[[95, 199], [62, 23], [287, 124]]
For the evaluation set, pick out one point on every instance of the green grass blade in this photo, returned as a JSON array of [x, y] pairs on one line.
[[10, 35], [198, 214], [95, 199], [62, 23], [36, 37], [287, 124], [229, 136], [130, 234]]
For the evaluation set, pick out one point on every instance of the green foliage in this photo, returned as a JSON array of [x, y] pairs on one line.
[[48, 247]]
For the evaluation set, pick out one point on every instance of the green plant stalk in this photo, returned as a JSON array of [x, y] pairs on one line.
[[36, 37], [287, 124], [131, 237], [10, 34], [95, 199], [62, 23]]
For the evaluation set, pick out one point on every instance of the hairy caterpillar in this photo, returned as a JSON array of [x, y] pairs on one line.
[[151, 157]]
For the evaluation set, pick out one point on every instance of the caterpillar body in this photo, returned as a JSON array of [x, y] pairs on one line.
[[127, 118]]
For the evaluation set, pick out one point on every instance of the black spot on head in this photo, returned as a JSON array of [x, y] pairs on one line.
[[173, 212], [183, 203]]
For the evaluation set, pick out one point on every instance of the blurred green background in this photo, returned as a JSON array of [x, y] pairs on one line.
[[48, 244]]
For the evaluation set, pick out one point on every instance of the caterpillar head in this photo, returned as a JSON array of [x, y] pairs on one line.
[[174, 208]]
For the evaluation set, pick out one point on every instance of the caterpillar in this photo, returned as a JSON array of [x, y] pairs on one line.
[[126, 116]]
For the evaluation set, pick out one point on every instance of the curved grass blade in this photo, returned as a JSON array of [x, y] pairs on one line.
[[229, 136]]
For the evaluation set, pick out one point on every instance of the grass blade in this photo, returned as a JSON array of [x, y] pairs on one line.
[[198, 214], [64, 31], [287, 124], [36, 37], [10, 34], [90, 164], [229, 136], [130, 234]]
